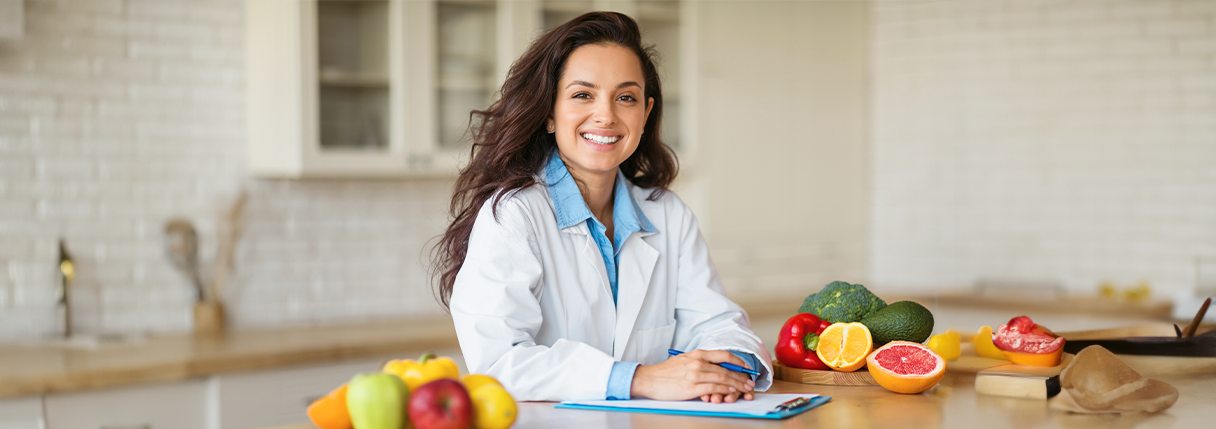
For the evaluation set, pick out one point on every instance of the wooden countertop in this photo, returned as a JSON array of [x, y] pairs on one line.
[[40, 369], [952, 404], [32, 369]]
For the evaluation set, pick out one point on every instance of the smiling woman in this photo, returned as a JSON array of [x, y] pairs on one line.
[[600, 111], [569, 268]]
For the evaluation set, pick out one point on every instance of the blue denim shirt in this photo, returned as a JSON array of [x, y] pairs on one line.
[[627, 218]]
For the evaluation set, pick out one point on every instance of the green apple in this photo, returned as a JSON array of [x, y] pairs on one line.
[[377, 401]]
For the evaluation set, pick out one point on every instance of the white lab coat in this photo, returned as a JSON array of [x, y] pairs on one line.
[[533, 307]]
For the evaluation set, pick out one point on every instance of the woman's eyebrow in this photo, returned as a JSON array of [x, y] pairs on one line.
[[583, 83], [594, 86]]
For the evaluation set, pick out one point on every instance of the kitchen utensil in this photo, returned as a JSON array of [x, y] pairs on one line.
[[67, 274], [1203, 345], [231, 225], [1190, 329], [1184, 343], [181, 245]]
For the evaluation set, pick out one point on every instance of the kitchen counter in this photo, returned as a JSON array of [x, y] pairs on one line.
[[41, 369], [952, 404]]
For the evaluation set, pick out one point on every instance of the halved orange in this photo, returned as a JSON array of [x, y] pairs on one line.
[[906, 367], [844, 346]]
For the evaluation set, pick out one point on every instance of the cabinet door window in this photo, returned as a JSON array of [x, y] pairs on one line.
[[467, 50], [659, 21], [353, 78]]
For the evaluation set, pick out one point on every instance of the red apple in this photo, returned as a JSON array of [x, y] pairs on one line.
[[441, 404]]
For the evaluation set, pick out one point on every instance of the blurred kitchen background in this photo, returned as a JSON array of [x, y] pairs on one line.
[[917, 147]]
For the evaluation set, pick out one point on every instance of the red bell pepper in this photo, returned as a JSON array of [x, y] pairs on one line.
[[798, 340]]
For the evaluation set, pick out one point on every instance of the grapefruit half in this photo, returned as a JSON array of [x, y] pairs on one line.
[[906, 367]]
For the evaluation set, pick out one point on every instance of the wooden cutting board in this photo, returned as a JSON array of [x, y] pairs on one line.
[[860, 377], [967, 363]]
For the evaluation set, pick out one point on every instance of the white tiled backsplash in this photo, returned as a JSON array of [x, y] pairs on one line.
[[1009, 139], [1066, 141], [116, 116]]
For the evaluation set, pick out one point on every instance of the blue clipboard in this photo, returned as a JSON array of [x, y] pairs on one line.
[[774, 415]]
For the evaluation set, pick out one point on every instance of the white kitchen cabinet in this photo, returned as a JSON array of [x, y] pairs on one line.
[[380, 88], [180, 405], [21, 413], [333, 95], [281, 397]]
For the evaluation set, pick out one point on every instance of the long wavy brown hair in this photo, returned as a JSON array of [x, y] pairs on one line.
[[510, 144]]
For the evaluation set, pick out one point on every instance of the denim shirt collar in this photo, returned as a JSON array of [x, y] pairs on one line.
[[570, 209]]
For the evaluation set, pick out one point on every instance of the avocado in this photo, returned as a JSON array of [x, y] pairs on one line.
[[903, 321]]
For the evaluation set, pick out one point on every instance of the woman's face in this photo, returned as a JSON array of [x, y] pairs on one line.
[[600, 110]]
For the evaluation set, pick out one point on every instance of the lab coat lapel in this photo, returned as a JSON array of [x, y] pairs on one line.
[[637, 262], [591, 255]]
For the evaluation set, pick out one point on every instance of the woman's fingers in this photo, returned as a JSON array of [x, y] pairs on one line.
[[709, 367], [710, 372], [729, 398], [711, 389], [692, 375], [719, 356]]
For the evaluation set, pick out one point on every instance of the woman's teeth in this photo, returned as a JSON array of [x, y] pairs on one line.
[[600, 139]]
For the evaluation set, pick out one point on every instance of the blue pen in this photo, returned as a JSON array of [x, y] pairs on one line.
[[727, 365]]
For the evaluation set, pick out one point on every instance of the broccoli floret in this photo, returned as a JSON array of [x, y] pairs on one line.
[[842, 302]]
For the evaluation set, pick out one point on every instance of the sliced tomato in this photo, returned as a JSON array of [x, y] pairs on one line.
[[1022, 335]]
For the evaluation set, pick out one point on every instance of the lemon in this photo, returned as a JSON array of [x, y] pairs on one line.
[[984, 346], [946, 344], [493, 408], [472, 382]]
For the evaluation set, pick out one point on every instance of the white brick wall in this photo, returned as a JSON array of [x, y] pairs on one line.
[[1037, 139], [116, 116], [1064, 140]]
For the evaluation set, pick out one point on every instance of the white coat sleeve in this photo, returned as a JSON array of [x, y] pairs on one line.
[[496, 309], [705, 318]]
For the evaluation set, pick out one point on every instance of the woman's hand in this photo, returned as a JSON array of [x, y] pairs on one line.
[[693, 374], [718, 399]]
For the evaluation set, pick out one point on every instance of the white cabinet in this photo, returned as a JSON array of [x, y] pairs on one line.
[[380, 88], [330, 92], [161, 406], [240, 400], [21, 413], [279, 397]]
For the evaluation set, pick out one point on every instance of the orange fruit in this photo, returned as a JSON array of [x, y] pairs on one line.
[[1036, 359], [906, 367], [844, 346], [329, 411]]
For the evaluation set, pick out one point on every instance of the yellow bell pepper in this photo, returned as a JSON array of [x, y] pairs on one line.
[[427, 368], [984, 346]]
